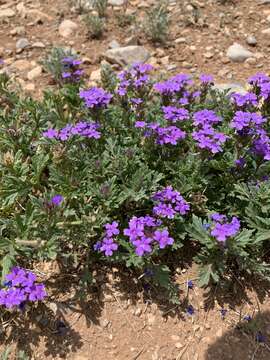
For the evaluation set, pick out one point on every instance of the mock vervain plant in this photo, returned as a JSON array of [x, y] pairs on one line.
[[133, 173], [63, 65]]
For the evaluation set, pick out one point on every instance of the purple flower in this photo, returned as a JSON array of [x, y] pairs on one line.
[[207, 138], [112, 229], [241, 162], [108, 246], [261, 146], [36, 292], [260, 338], [56, 200], [21, 286], [243, 100], [247, 318], [169, 135], [163, 238], [190, 284], [243, 120], [223, 313], [50, 134], [222, 231], [174, 85], [95, 97], [204, 118], [190, 310], [169, 203], [174, 114], [206, 79]]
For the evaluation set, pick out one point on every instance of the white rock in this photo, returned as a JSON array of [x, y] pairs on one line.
[[232, 87], [180, 40], [38, 44], [22, 44], [67, 28], [35, 73], [237, 53], [116, 2], [251, 40], [114, 44], [127, 55], [6, 13]]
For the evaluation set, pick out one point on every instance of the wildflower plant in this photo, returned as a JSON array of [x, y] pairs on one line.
[[136, 171], [63, 65]]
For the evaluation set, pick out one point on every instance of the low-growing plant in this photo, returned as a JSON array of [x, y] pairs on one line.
[[156, 22], [135, 173], [95, 25], [63, 65], [123, 19], [100, 6]]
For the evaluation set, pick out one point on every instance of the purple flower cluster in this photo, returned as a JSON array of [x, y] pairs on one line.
[[244, 119], [174, 114], [261, 146], [95, 98], [222, 228], [134, 78], [251, 124], [143, 232], [163, 135], [72, 72], [205, 117], [244, 100], [208, 138], [20, 287], [108, 244], [206, 79], [206, 135], [169, 202], [82, 128], [174, 85]]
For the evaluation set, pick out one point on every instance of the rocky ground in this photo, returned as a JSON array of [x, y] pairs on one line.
[[229, 39]]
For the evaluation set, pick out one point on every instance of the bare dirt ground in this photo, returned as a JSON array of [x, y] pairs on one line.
[[120, 319]]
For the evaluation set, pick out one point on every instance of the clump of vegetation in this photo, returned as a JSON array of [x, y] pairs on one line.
[[55, 63], [124, 19], [100, 6], [136, 173], [95, 25], [156, 23]]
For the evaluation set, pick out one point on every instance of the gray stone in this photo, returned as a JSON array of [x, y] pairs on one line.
[[114, 44], [237, 53], [231, 87], [6, 13], [127, 55], [67, 28], [22, 44], [251, 40]]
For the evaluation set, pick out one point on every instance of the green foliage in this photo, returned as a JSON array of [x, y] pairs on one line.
[[95, 26], [53, 62], [156, 23], [108, 77], [123, 19], [218, 260], [100, 6]]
